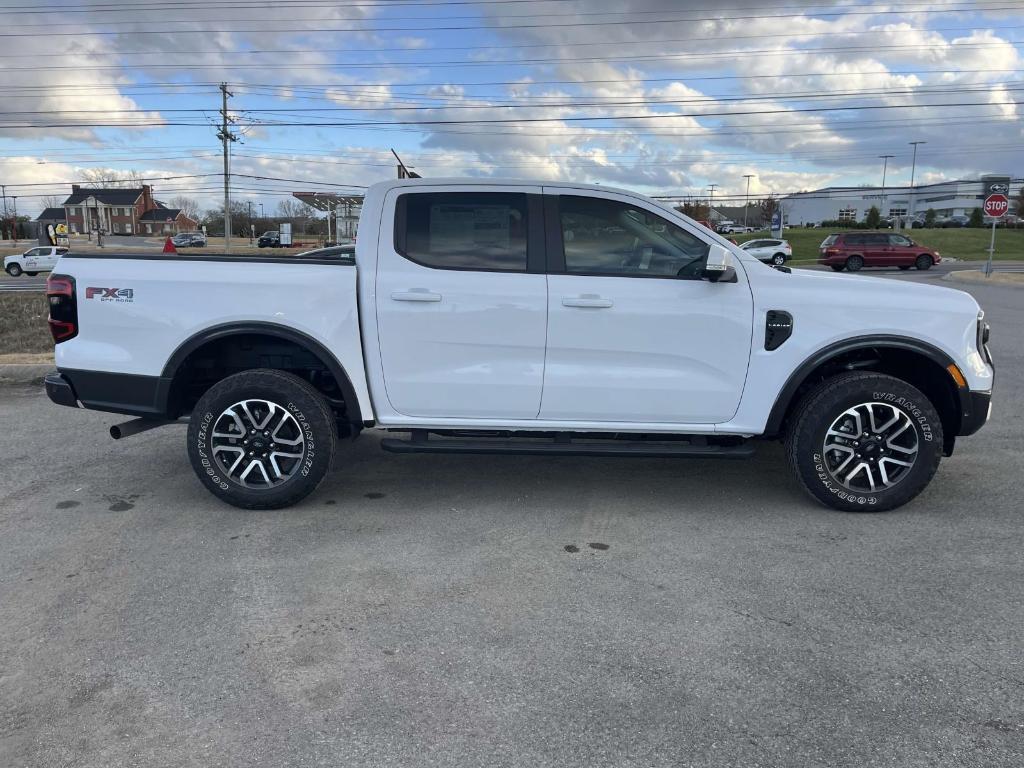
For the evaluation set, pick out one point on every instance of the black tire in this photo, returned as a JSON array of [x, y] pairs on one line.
[[779, 259], [923, 262], [904, 267], [14, 270], [31, 274], [313, 422], [837, 267], [824, 405], [854, 263]]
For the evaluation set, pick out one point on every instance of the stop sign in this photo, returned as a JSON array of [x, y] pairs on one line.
[[996, 205]]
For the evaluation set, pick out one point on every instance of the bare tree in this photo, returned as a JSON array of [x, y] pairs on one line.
[[111, 177], [295, 209], [188, 205], [52, 201]]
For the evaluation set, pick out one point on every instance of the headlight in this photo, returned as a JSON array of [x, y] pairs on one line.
[[984, 331]]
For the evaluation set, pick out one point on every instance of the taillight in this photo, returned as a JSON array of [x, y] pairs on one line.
[[60, 295]]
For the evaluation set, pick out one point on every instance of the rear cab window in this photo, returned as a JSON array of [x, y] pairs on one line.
[[485, 231]]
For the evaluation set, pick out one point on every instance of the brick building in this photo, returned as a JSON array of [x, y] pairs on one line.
[[119, 211]]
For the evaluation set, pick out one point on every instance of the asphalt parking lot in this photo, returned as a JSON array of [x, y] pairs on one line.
[[506, 611]]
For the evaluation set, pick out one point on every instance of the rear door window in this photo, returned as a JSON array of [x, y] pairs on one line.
[[899, 240], [463, 230]]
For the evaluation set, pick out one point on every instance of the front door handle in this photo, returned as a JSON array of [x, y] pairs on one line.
[[415, 295], [591, 301]]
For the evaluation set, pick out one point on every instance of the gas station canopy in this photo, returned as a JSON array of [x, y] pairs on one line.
[[327, 201]]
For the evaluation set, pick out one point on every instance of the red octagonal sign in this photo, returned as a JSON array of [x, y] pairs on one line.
[[996, 205]]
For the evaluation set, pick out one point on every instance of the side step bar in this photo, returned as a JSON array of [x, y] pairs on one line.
[[566, 446]]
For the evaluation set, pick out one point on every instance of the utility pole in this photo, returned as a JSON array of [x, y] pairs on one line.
[[711, 201], [3, 191], [15, 218], [746, 203], [226, 137], [885, 165], [250, 223], [913, 167]]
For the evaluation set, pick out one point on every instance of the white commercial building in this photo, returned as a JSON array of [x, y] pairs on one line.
[[851, 204]]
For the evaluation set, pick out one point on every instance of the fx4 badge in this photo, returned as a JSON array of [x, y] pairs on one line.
[[121, 295]]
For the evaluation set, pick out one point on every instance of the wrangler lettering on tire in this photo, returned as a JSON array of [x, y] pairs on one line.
[[261, 439], [864, 442]]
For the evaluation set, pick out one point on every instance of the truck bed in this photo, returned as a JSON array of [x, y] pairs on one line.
[[139, 313]]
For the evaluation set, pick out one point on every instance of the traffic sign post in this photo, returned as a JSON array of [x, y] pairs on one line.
[[996, 206]]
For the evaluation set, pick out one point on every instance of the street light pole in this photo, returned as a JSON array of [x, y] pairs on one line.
[[913, 167], [885, 166], [746, 203]]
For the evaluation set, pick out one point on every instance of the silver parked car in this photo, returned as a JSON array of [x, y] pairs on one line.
[[775, 252]]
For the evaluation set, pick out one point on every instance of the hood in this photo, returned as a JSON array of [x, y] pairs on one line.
[[869, 293], [883, 289]]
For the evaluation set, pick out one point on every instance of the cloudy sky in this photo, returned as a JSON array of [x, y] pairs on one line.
[[663, 96]]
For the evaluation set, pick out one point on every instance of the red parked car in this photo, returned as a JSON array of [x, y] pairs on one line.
[[854, 250]]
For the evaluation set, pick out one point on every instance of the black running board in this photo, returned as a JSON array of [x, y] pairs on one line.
[[571, 447]]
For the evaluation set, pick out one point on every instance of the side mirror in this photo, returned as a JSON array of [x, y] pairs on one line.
[[719, 267]]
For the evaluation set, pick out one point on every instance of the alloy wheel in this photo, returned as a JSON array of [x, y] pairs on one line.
[[258, 444], [870, 447]]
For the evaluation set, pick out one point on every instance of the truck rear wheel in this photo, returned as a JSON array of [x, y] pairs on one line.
[[261, 439], [864, 442]]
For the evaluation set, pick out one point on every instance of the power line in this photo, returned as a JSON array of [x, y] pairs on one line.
[[327, 87], [455, 105], [603, 43], [290, 5], [420, 28], [729, 53]]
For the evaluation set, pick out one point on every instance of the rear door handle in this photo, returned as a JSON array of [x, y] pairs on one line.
[[595, 302], [415, 295]]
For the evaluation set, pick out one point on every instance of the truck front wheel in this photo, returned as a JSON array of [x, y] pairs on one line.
[[261, 439], [864, 442]]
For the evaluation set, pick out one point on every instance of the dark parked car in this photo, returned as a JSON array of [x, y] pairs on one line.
[[854, 250], [189, 239], [269, 240], [954, 221], [343, 252]]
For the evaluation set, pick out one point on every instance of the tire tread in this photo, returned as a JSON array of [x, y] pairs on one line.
[[833, 387]]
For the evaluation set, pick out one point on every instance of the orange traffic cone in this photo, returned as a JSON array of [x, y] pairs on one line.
[[169, 246]]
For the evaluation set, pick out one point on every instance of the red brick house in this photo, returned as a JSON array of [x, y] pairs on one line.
[[119, 211]]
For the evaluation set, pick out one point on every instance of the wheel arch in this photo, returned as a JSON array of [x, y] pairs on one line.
[[917, 362], [220, 333]]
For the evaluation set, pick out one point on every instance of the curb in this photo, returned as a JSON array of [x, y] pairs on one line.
[[977, 277], [13, 373]]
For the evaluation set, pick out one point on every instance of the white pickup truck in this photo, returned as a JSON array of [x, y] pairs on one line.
[[522, 318]]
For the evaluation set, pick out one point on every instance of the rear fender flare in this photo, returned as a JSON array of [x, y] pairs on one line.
[[325, 356]]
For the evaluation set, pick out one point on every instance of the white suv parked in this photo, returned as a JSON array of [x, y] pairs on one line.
[[775, 252], [33, 261]]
